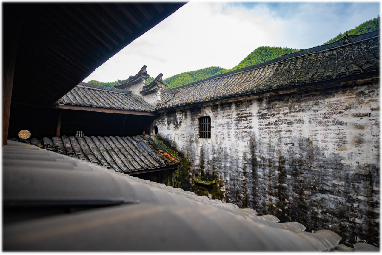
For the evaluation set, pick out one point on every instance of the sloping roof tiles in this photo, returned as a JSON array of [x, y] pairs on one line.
[[103, 97], [123, 154], [353, 55], [141, 76], [153, 86]]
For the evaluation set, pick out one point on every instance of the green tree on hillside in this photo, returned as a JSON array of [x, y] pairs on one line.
[[188, 77], [193, 76], [149, 80], [366, 27], [261, 55], [103, 84]]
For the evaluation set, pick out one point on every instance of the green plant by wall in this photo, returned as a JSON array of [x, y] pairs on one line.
[[180, 178], [162, 146]]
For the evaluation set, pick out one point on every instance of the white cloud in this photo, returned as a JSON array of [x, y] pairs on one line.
[[315, 23], [203, 34]]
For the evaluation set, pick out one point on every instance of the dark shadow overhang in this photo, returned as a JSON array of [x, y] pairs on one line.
[[61, 44], [137, 173]]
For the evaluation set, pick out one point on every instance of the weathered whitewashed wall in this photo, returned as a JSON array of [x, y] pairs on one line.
[[310, 156], [136, 88], [153, 98], [150, 98]]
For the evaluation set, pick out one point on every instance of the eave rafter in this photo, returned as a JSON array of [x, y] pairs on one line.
[[50, 63], [104, 110]]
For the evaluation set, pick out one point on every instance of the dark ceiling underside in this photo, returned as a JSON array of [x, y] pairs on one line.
[[61, 44]]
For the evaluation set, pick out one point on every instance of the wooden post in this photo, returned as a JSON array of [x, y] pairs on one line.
[[13, 15], [58, 130]]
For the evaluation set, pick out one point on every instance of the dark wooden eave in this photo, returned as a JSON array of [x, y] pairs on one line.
[[61, 44], [104, 110]]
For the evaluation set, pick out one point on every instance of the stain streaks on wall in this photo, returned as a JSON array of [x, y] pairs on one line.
[[310, 155]]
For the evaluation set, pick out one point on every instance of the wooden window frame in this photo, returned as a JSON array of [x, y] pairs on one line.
[[205, 127]]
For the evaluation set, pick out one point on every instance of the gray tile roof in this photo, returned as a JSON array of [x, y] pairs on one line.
[[353, 55], [123, 154], [153, 87], [103, 97]]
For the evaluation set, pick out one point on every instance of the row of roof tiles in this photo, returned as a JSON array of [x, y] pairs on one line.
[[153, 87], [324, 63], [123, 154], [96, 96], [142, 75]]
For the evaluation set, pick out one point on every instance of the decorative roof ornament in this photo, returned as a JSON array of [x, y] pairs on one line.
[[159, 78], [143, 70], [141, 76], [154, 86]]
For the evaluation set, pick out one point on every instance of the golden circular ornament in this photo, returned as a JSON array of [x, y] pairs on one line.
[[24, 134]]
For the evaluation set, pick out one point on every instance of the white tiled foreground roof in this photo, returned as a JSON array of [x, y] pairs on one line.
[[111, 211]]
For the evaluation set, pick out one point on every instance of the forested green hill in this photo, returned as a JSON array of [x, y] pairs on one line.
[[366, 27], [104, 84], [174, 81], [258, 56], [188, 77], [261, 55]]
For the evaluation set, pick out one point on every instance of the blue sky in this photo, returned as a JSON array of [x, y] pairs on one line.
[[204, 34]]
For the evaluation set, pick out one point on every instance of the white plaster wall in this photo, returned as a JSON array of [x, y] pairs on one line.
[[345, 123], [153, 98], [287, 150], [136, 89]]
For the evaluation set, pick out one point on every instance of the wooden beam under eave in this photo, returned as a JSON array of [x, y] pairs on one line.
[[104, 110], [58, 129], [12, 21]]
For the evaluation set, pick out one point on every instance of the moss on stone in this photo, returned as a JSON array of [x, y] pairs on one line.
[[203, 182], [180, 177]]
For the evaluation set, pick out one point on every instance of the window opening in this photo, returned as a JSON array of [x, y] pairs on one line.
[[205, 127]]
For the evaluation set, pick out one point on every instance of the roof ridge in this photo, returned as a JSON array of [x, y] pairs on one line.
[[102, 97], [316, 49], [133, 79], [154, 82], [83, 84]]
